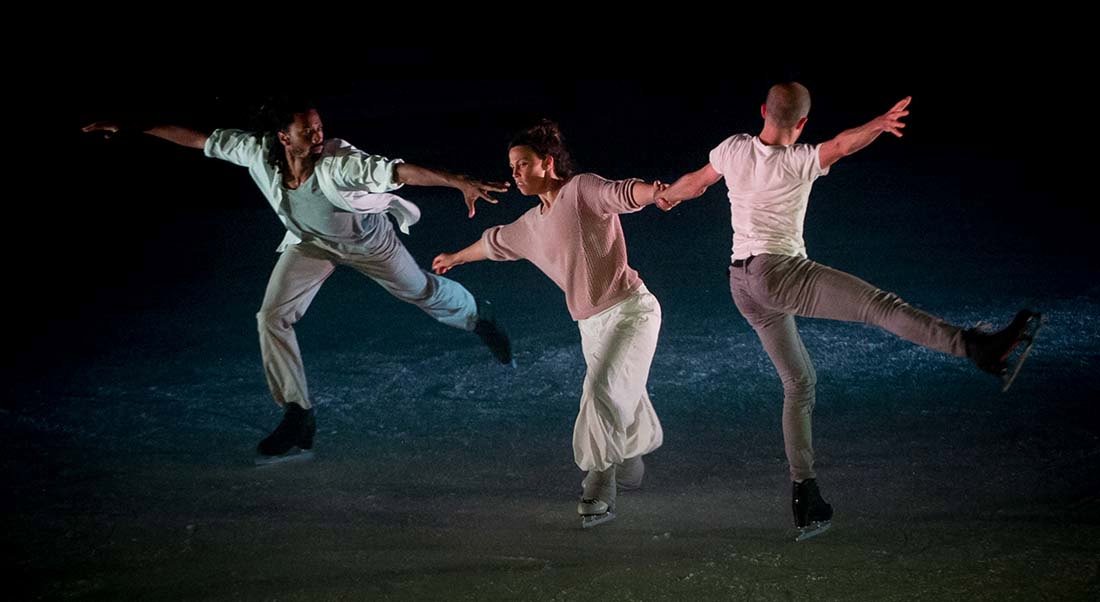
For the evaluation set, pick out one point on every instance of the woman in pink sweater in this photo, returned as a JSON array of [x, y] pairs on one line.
[[574, 236]]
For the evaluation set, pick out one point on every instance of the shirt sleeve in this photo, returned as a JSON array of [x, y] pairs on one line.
[[609, 196], [810, 155], [353, 169], [236, 146], [719, 155], [508, 242]]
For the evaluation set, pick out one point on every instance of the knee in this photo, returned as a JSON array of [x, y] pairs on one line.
[[418, 295], [272, 319], [606, 386], [885, 302], [800, 389], [599, 384]]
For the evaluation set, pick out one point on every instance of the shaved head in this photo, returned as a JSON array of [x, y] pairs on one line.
[[787, 103]]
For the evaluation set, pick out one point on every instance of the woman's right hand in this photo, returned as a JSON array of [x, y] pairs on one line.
[[444, 262]]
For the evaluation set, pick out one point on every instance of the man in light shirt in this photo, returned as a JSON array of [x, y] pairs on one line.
[[769, 177], [334, 200]]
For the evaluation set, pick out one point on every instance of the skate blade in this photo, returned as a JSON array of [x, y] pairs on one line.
[[813, 530], [1036, 323], [294, 455], [592, 520]]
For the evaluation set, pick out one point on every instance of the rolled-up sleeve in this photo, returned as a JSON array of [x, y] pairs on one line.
[[236, 146], [356, 170]]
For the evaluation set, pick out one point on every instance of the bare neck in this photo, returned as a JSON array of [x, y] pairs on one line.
[[547, 198], [773, 135], [298, 170]]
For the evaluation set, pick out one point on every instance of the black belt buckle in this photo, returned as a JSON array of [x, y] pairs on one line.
[[738, 263]]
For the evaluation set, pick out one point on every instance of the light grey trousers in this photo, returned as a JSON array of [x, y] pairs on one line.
[[299, 274], [771, 289]]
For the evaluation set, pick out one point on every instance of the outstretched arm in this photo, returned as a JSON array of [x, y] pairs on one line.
[[612, 197], [647, 194], [445, 261], [172, 133], [850, 141], [687, 187], [472, 190]]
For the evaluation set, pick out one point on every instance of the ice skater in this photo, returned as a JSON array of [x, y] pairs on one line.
[[334, 200], [575, 237], [769, 177]]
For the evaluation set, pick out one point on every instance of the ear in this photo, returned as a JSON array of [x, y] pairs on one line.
[[801, 123], [764, 110], [549, 163], [284, 138]]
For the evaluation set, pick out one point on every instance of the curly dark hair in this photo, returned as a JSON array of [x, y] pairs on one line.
[[545, 139], [275, 115]]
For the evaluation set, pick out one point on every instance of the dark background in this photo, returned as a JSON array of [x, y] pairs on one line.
[[134, 394]]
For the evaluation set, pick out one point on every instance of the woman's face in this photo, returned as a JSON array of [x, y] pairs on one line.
[[531, 172]]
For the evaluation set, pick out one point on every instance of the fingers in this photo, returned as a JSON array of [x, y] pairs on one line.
[[439, 264], [471, 202], [495, 186], [481, 191], [105, 126]]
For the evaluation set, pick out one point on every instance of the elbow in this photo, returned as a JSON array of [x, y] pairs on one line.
[[697, 187]]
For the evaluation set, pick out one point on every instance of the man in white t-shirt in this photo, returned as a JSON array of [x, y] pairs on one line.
[[769, 177]]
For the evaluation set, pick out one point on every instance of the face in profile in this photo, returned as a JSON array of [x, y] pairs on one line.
[[531, 172]]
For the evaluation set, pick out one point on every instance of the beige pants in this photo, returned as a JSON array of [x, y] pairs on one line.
[[616, 419], [772, 289]]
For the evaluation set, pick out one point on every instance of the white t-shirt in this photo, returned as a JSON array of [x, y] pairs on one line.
[[769, 187]]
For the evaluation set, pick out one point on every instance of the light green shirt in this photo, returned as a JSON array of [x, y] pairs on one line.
[[348, 178]]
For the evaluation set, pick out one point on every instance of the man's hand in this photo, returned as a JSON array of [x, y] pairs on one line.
[[109, 128], [891, 120], [473, 190]]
